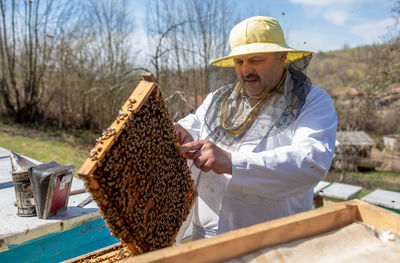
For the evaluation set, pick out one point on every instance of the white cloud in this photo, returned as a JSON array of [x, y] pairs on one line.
[[312, 2], [315, 41], [325, 2], [337, 17], [372, 31], [337, 12], [354, 35]]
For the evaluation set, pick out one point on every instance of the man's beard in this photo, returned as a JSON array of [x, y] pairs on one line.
[[250, 76]]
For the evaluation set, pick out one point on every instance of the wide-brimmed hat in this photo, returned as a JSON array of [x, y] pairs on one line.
[[258, 34]]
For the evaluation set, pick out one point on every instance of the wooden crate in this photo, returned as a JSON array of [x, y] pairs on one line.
[[280, 231]]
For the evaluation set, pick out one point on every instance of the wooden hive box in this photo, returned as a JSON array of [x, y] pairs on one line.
[[140, 182], [252, 244]]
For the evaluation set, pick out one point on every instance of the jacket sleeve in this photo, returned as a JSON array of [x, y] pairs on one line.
[[193, 122], [290, 170]]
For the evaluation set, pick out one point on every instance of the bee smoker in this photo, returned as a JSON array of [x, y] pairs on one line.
[[51, 185], [22, 186]]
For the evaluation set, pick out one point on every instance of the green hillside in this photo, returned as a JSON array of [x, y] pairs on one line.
[[338, 70]]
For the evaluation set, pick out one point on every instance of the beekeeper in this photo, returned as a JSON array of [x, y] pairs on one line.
[[261, 145]]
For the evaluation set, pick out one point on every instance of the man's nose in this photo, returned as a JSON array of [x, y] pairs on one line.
[[247, 68]]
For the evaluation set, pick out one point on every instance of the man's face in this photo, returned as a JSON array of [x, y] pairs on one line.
[[259, 73]]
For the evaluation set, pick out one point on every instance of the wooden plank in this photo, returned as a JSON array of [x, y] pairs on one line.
[[139, 95], [356, 242], [280, 231], [378, 217], [77, 192], [57, 247], [242, 241]]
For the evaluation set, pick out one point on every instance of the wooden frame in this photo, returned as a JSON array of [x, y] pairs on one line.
[[132, 105], [146, 88], [275, 232]]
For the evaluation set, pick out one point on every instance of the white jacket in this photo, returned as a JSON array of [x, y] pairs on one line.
[[272, 177]]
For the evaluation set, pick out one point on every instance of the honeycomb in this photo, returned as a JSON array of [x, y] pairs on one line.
[[140, 182], [111, 254]]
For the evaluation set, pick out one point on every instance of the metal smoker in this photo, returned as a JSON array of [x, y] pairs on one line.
[[41, 190], [22, 185], [51, 186]]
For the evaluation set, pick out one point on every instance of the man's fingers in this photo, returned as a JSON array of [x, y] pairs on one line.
[[183, 135], [189, 155], [207, 156], [203, 164], [206, 167], [199, 162], [195, 154], [191, 146]]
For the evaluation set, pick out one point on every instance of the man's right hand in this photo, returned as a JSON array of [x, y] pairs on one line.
[[183, 135]]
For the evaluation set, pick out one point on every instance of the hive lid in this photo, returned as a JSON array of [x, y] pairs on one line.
[[384, 198], [320, 186], [340, 191], [358, 138]]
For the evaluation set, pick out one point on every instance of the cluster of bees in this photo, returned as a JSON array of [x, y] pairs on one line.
[[113, 254], [142, 185]]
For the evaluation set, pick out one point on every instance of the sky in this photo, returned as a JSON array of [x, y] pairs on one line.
[[324, 25], [319, 25]]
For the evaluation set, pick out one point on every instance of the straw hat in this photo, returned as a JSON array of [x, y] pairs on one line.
[[258, 34]]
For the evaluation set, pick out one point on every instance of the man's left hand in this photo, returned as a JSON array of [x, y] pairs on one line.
[[207, 156]]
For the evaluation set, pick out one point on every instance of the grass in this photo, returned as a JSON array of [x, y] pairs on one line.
[[370, 180], [72, 146], [362, 193], [44, 148], [82, 139]]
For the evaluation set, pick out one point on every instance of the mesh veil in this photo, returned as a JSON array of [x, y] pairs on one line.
[[275, 115]]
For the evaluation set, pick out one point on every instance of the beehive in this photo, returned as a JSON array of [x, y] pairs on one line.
[[288, 239], [141, 184]]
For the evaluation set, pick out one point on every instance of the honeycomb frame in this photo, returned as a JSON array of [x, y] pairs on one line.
[[140, 182]]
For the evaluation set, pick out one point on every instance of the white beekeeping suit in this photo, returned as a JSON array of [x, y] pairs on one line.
[[280, 147], [275, 163]]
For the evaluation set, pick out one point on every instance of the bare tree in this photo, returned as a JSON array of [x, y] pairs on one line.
[[210, 24], [185, 36], [94, 65], [114, 27], [26, 46], [164, 27]]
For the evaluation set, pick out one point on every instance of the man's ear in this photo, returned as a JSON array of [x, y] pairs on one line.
[[283, 57]]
